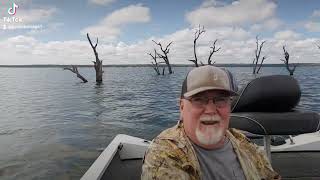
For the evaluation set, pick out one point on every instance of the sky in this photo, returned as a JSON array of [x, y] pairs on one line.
[[54, 32]]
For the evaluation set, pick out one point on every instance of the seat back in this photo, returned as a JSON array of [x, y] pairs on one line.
[[276, 123], [276, 93], [266, 107]]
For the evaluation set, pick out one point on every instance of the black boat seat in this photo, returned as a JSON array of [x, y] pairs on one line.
[[276, 123], [276, 93], [266, 107]]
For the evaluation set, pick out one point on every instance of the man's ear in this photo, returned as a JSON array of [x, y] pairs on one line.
[[181, 105]]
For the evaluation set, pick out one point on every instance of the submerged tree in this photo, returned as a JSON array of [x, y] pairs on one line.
[[164, 56], [98, 62], [74, 69], [286, 62], [197, 34], [214, 50], [196, 37], [257, 57], [155, 64]]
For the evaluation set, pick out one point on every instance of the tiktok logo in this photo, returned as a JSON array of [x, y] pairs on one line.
[[12, 10]]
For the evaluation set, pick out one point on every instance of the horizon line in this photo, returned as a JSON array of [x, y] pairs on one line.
[[150, 65]]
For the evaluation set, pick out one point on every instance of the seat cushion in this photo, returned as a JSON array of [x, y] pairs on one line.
[[276, 123], [276, 93]]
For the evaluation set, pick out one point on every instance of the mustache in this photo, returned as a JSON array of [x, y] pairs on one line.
[[214, 118]]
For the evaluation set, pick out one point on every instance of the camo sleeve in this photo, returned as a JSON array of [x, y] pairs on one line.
[[163, 161]]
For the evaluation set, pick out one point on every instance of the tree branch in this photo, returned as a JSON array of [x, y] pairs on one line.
[[257, 56], [74, 69], [164, 56], [214, 50], [286, 61]]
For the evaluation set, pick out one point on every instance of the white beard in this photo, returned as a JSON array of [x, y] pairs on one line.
[[210, 135]]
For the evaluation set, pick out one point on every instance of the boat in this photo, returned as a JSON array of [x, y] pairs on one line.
[[265, 111]]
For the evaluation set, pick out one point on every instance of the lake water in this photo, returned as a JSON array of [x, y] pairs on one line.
[[52, 126]]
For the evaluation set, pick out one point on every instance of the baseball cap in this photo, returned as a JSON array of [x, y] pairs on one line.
[[208, 77]]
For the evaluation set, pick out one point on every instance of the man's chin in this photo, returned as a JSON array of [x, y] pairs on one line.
[[210, 135]]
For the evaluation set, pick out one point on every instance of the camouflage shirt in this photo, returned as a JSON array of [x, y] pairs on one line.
[[171, 156]]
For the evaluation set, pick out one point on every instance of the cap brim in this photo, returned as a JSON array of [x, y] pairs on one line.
[[198, 90]]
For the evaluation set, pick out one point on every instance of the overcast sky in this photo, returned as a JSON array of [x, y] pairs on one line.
[[54, 32]]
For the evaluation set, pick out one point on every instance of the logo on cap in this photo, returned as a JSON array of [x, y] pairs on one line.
[[215, 77]]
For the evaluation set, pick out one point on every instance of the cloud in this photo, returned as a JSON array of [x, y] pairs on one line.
[[110, 27], [239, 12], [209, 3], [237, 46], [28, 50], [36, 15], [286, 35], [312, 26], [316, 13], [49, 28], [270, 24], [101, 2]]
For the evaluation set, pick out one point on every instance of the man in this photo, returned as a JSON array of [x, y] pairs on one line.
[[201, 145]]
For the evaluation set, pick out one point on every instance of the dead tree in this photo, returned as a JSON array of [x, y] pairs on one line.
[[164, 56], [98, 62], [74, 69], [155, 63], [257, 57], [214, 50], [286, 62], [196, 37]]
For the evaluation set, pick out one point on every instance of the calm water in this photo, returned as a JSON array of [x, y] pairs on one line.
[[51, 126]]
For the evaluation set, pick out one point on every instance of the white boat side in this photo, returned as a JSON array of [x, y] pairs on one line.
[[302, 142], [131, 148]]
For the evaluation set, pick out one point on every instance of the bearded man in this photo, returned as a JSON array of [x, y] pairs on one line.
[[201, 145]]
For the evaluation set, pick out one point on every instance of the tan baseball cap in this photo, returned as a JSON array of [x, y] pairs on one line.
[[208, 77]]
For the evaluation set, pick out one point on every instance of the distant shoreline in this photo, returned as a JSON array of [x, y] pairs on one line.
[[149, 65]]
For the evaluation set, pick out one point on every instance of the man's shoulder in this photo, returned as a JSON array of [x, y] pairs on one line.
[[173, 140], [171, 133], [171, 151], [238, 134]]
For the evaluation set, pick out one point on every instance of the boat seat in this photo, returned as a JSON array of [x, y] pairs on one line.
[[266, 107], [275, 93], [276, 123]]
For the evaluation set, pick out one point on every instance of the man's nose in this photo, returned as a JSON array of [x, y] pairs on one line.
[[211, 107]]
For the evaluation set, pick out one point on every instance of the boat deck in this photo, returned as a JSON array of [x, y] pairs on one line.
[[290, 165], [297, 165], [128, 169]]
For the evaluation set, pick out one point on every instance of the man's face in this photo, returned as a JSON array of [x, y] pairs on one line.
[[205, 122]]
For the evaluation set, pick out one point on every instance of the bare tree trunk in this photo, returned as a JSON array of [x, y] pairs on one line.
[[257, 56], [197, 34], [286, 62], [74, 69], [164, 56], [196, 37], [214, 50], [98, 62], [263, 58], [155, 64]]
